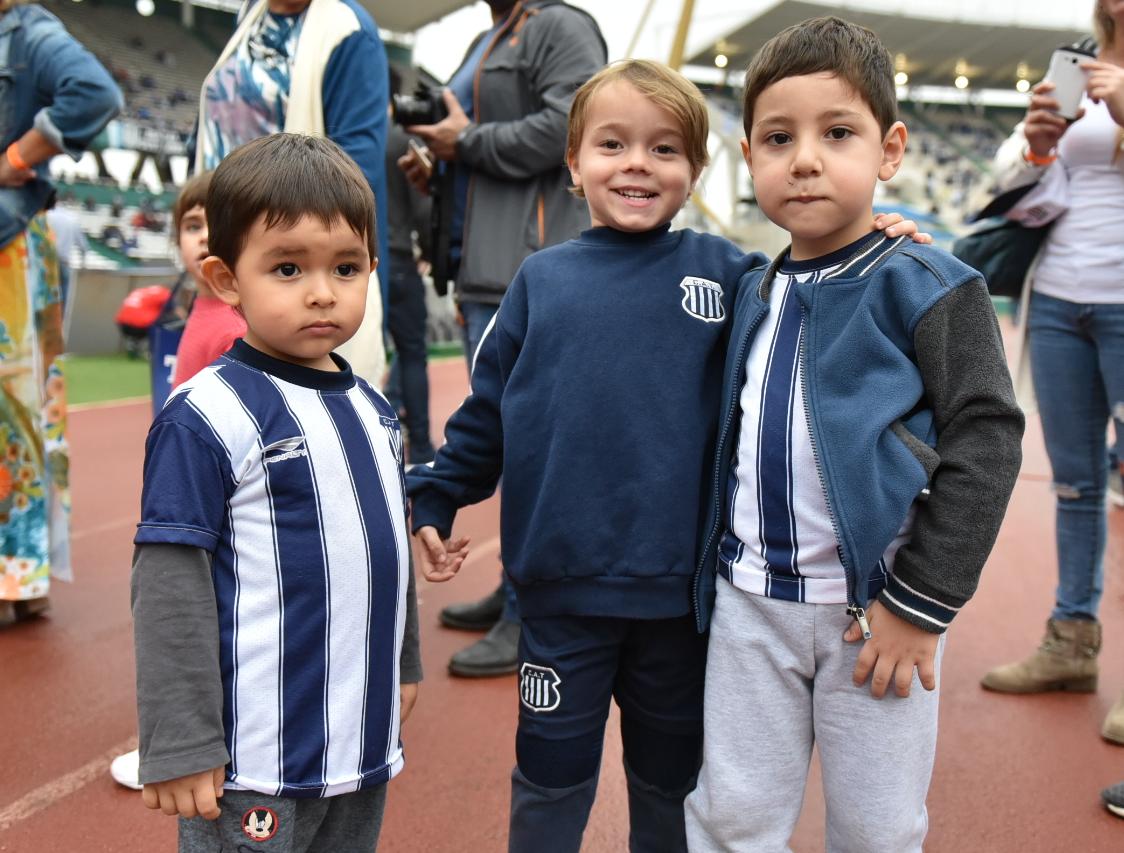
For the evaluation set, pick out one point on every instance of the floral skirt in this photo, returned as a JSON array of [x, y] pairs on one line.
[[34, 461]]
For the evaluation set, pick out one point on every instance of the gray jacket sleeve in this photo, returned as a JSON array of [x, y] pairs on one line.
[[409, 662], [179, 685], [979, 444], [564, 50]]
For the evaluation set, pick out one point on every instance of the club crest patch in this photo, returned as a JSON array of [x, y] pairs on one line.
[[394, 433], [702, 299], [260, 823], [538, 687]]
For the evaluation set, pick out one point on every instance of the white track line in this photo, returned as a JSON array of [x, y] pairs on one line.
[[50, 793]]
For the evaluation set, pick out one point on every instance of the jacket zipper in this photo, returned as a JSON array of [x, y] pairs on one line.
[[853, 607], [718, 449]]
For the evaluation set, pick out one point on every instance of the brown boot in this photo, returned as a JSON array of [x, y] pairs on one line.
[[1066, 660], [1113, 728]]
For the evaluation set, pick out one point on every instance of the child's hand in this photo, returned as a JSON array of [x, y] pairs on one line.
[[895, 225], [439, 560], [187, 796], [407, 698], [895, 647]]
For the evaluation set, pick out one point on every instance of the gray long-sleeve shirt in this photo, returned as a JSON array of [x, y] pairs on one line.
[[179, 685]]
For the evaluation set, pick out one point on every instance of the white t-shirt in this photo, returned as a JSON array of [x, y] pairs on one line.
[[1083, 260]]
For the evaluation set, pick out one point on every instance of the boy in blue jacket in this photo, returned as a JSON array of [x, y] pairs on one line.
[[868, 444], [595, 391]]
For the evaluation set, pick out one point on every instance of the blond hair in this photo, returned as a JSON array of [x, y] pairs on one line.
[[662, 86], [6, 5]]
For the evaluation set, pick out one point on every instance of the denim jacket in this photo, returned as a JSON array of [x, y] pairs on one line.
[[50, 82], [909, 401]]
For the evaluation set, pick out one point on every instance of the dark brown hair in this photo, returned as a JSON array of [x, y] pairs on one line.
[[664, 87], [193, 194], [285, 176], [849, 51]]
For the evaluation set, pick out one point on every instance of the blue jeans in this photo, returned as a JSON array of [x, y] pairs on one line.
[[477, 316], [1077, 361]]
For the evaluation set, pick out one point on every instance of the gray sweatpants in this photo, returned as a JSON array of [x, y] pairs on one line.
[[346, 823], [778, 680]]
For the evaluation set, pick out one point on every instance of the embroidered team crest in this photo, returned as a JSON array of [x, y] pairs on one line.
[[538, 687], [394, 432], [259, 823], [702, 298]]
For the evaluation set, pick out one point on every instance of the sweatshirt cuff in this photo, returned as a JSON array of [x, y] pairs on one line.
[[916, 607], [176, 766], [432, 511]]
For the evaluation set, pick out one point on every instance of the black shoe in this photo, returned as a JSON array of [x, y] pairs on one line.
[[475, 615], [496, 653], [1114, 799]]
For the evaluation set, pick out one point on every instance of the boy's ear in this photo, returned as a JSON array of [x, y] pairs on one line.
[[746, 154], [575, 173], [893, 150], [220, 279]]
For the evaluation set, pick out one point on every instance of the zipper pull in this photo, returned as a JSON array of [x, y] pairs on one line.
[[860, 617]]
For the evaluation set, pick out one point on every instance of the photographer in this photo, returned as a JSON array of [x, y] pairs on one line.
[[504, 139], [1076, 335]]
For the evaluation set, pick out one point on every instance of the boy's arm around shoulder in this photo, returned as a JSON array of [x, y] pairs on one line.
[[468, 466], [979, 430]]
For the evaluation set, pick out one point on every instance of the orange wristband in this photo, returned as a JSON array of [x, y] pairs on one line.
[[1037, 160], [15, 159]]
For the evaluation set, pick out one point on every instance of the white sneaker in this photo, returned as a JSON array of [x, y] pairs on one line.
[[125, 770]]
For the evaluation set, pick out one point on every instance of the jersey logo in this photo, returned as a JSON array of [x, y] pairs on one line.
[[279, 451], [538, 687], [393, 429], [260, 823], [702, 299]]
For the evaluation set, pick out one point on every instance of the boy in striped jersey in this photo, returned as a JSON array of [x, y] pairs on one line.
[[276, 624], [868, 444]]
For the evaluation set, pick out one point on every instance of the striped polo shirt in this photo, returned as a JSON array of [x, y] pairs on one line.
[[780, 539], [292, 479]]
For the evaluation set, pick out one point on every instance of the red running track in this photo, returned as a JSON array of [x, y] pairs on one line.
[[1013, 774]]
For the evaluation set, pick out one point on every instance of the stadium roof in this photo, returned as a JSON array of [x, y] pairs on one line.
[[400, 16], [934, 51]]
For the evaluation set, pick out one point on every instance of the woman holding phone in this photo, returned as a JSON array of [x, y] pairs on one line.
[[1076, 338]]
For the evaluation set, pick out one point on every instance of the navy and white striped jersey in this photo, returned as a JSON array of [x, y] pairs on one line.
[[292, 479], [779, 539]]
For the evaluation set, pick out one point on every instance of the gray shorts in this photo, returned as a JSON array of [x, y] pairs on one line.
[[258, 823]]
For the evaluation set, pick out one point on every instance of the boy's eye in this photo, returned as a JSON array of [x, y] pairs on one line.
[[666, 149], [839, 133], [778, 138], [286, 270], [611, 144], [346, 270]]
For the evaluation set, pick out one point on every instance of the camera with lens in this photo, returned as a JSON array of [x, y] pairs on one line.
[[425, 106]]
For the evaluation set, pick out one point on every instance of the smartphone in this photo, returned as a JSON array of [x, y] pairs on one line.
[[422, 153], [1069, 79]]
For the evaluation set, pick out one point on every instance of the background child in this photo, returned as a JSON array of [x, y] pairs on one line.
[[213, 326], [869, 444], [595, 392], [271, 581]]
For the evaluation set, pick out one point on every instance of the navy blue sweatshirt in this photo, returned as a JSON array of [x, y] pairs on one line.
[[595, 394]]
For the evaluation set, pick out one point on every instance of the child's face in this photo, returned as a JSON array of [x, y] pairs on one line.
[[632, 162], [302, 289], [193, 240], [816, 152]]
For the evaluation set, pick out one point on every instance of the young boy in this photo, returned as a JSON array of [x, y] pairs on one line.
[[213, 326], [868, 443], [595, 392], [276, 624]]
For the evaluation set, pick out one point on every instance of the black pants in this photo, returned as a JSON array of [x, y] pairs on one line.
[[405, 317]]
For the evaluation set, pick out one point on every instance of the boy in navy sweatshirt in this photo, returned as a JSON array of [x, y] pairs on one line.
[[868, 444], [595, 393]]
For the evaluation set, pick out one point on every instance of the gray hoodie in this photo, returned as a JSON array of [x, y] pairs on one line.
[[518, 201]]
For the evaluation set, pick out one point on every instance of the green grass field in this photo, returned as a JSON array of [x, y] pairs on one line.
[[97, 378]]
